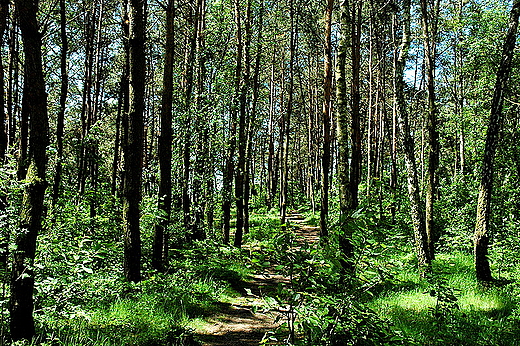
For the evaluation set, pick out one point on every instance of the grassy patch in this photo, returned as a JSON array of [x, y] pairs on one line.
[[450, 307]]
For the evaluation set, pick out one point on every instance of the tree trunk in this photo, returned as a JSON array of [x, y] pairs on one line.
[[12, 82], [416, 211], [482, 225], [327, 86], [254, 106], [356, 159], [429, 28], [4, 12], [230, 167], [165, 146], [35, 105], [134, 146], [342, 130], [242, 83], [284, 176], [193, 23], [60, 122]]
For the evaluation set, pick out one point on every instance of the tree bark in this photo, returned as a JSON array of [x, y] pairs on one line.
[[254, 107], [416, 210], [193, 23], [242, 84], [429, 28], [357, 156], [35, 106], [4, 13], [327, 87], [60, 122], [342, 130], [165, 146], [134, 146], [229, 172], [287, 122], [482, 226]]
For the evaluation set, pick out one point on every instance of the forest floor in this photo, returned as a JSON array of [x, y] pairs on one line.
[[252, 318]]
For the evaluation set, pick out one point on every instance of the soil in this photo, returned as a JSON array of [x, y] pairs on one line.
[[248, 319]]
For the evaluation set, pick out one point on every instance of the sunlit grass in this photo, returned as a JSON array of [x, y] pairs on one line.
[[477, 312]]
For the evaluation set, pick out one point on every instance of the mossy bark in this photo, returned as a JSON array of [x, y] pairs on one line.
[[35, 106], [482, 229], [416, 209]]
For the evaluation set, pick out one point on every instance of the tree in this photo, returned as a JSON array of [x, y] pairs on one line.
[[416, 210], [4, 12], [165, 146], [357, 156], [483, 217], [342, 129], [34, 105], [327, 86], [242, 83], [429, 18], [60, 122], [133, 151], [286, 121]]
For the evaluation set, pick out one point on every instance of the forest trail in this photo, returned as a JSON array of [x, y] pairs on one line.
[[248, 319]]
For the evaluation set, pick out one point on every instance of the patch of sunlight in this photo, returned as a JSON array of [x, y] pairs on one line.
[[198, 324], [474, 301], [411, 301]]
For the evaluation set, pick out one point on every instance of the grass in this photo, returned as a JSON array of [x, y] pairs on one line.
[[450, 309]]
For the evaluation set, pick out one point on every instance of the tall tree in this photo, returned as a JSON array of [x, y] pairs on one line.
[[327, 88], [482, 225], [60, 121], [429, 19], [242, 73], [342, 130], [286, 128], [4, 13], [408, 147], [34, 105], [133, 150], [189, 65], [356, 157], [254, 110], [165, 146], [229, 169]]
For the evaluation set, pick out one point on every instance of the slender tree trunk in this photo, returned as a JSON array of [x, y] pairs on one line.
[[165, 146], [271, 171], [242, 84], [4, 13], [327, 86], [230, 167], [193, 22], [408, 142], [482, 225], [60, 122], [12, 83], [35, 105], [342, 130], [357, 156], [249, 178], [134, 146], [429, 27], [287, 122], [202, 127]]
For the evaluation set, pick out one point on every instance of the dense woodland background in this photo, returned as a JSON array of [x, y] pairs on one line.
[[152, 151]]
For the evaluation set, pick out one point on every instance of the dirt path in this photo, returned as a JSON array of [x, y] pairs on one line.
[[248, 319]]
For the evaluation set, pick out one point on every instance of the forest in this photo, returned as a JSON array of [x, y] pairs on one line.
[[259, 172]]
